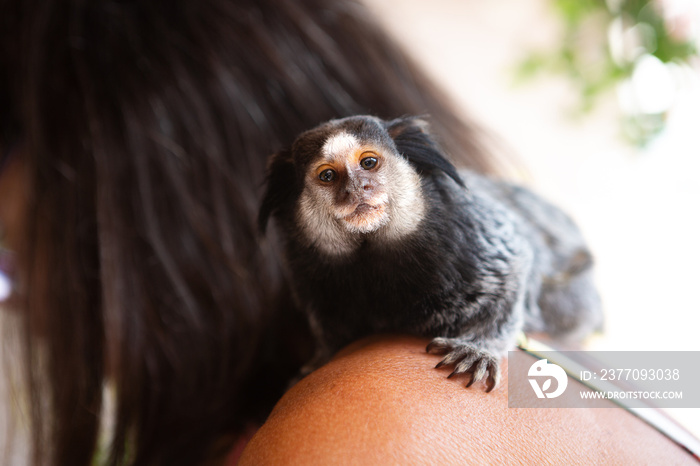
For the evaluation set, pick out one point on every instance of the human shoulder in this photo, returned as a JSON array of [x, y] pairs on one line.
[[381, 401]]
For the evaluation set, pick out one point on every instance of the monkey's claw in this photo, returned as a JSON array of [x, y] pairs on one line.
[[467, 358]]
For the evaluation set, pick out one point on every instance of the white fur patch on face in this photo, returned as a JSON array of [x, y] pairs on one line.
[[406, 205], [338, 145], [321, 228]]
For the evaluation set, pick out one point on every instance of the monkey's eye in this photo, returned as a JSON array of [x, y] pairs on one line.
[[327, 175], [368, 163]]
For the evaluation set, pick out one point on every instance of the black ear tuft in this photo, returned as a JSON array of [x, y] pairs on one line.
[[281, 187], [413, 141]]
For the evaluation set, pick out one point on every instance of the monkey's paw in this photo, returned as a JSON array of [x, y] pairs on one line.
[[467, 359]]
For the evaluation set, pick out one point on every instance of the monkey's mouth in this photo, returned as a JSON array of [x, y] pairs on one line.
[[364, 208], [365, 218]]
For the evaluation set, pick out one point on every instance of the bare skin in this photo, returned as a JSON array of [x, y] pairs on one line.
[[380, 401]]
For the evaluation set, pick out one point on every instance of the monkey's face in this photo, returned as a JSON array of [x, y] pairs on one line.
[[353, 180], [349, 183]]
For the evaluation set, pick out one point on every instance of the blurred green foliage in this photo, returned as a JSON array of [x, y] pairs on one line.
[[584, 52]]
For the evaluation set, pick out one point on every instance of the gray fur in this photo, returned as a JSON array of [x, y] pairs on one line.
[[464, 259]]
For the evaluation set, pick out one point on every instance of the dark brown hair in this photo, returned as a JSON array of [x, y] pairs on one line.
[[144, 131]]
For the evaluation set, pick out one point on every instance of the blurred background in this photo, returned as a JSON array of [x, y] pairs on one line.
[[598, 103]]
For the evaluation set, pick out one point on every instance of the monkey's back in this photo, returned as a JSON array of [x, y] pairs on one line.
[[562, 297]]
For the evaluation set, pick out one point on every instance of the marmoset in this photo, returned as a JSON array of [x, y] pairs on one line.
[[382, 234]]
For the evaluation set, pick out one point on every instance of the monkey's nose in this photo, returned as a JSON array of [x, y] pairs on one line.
[[367, 187]]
